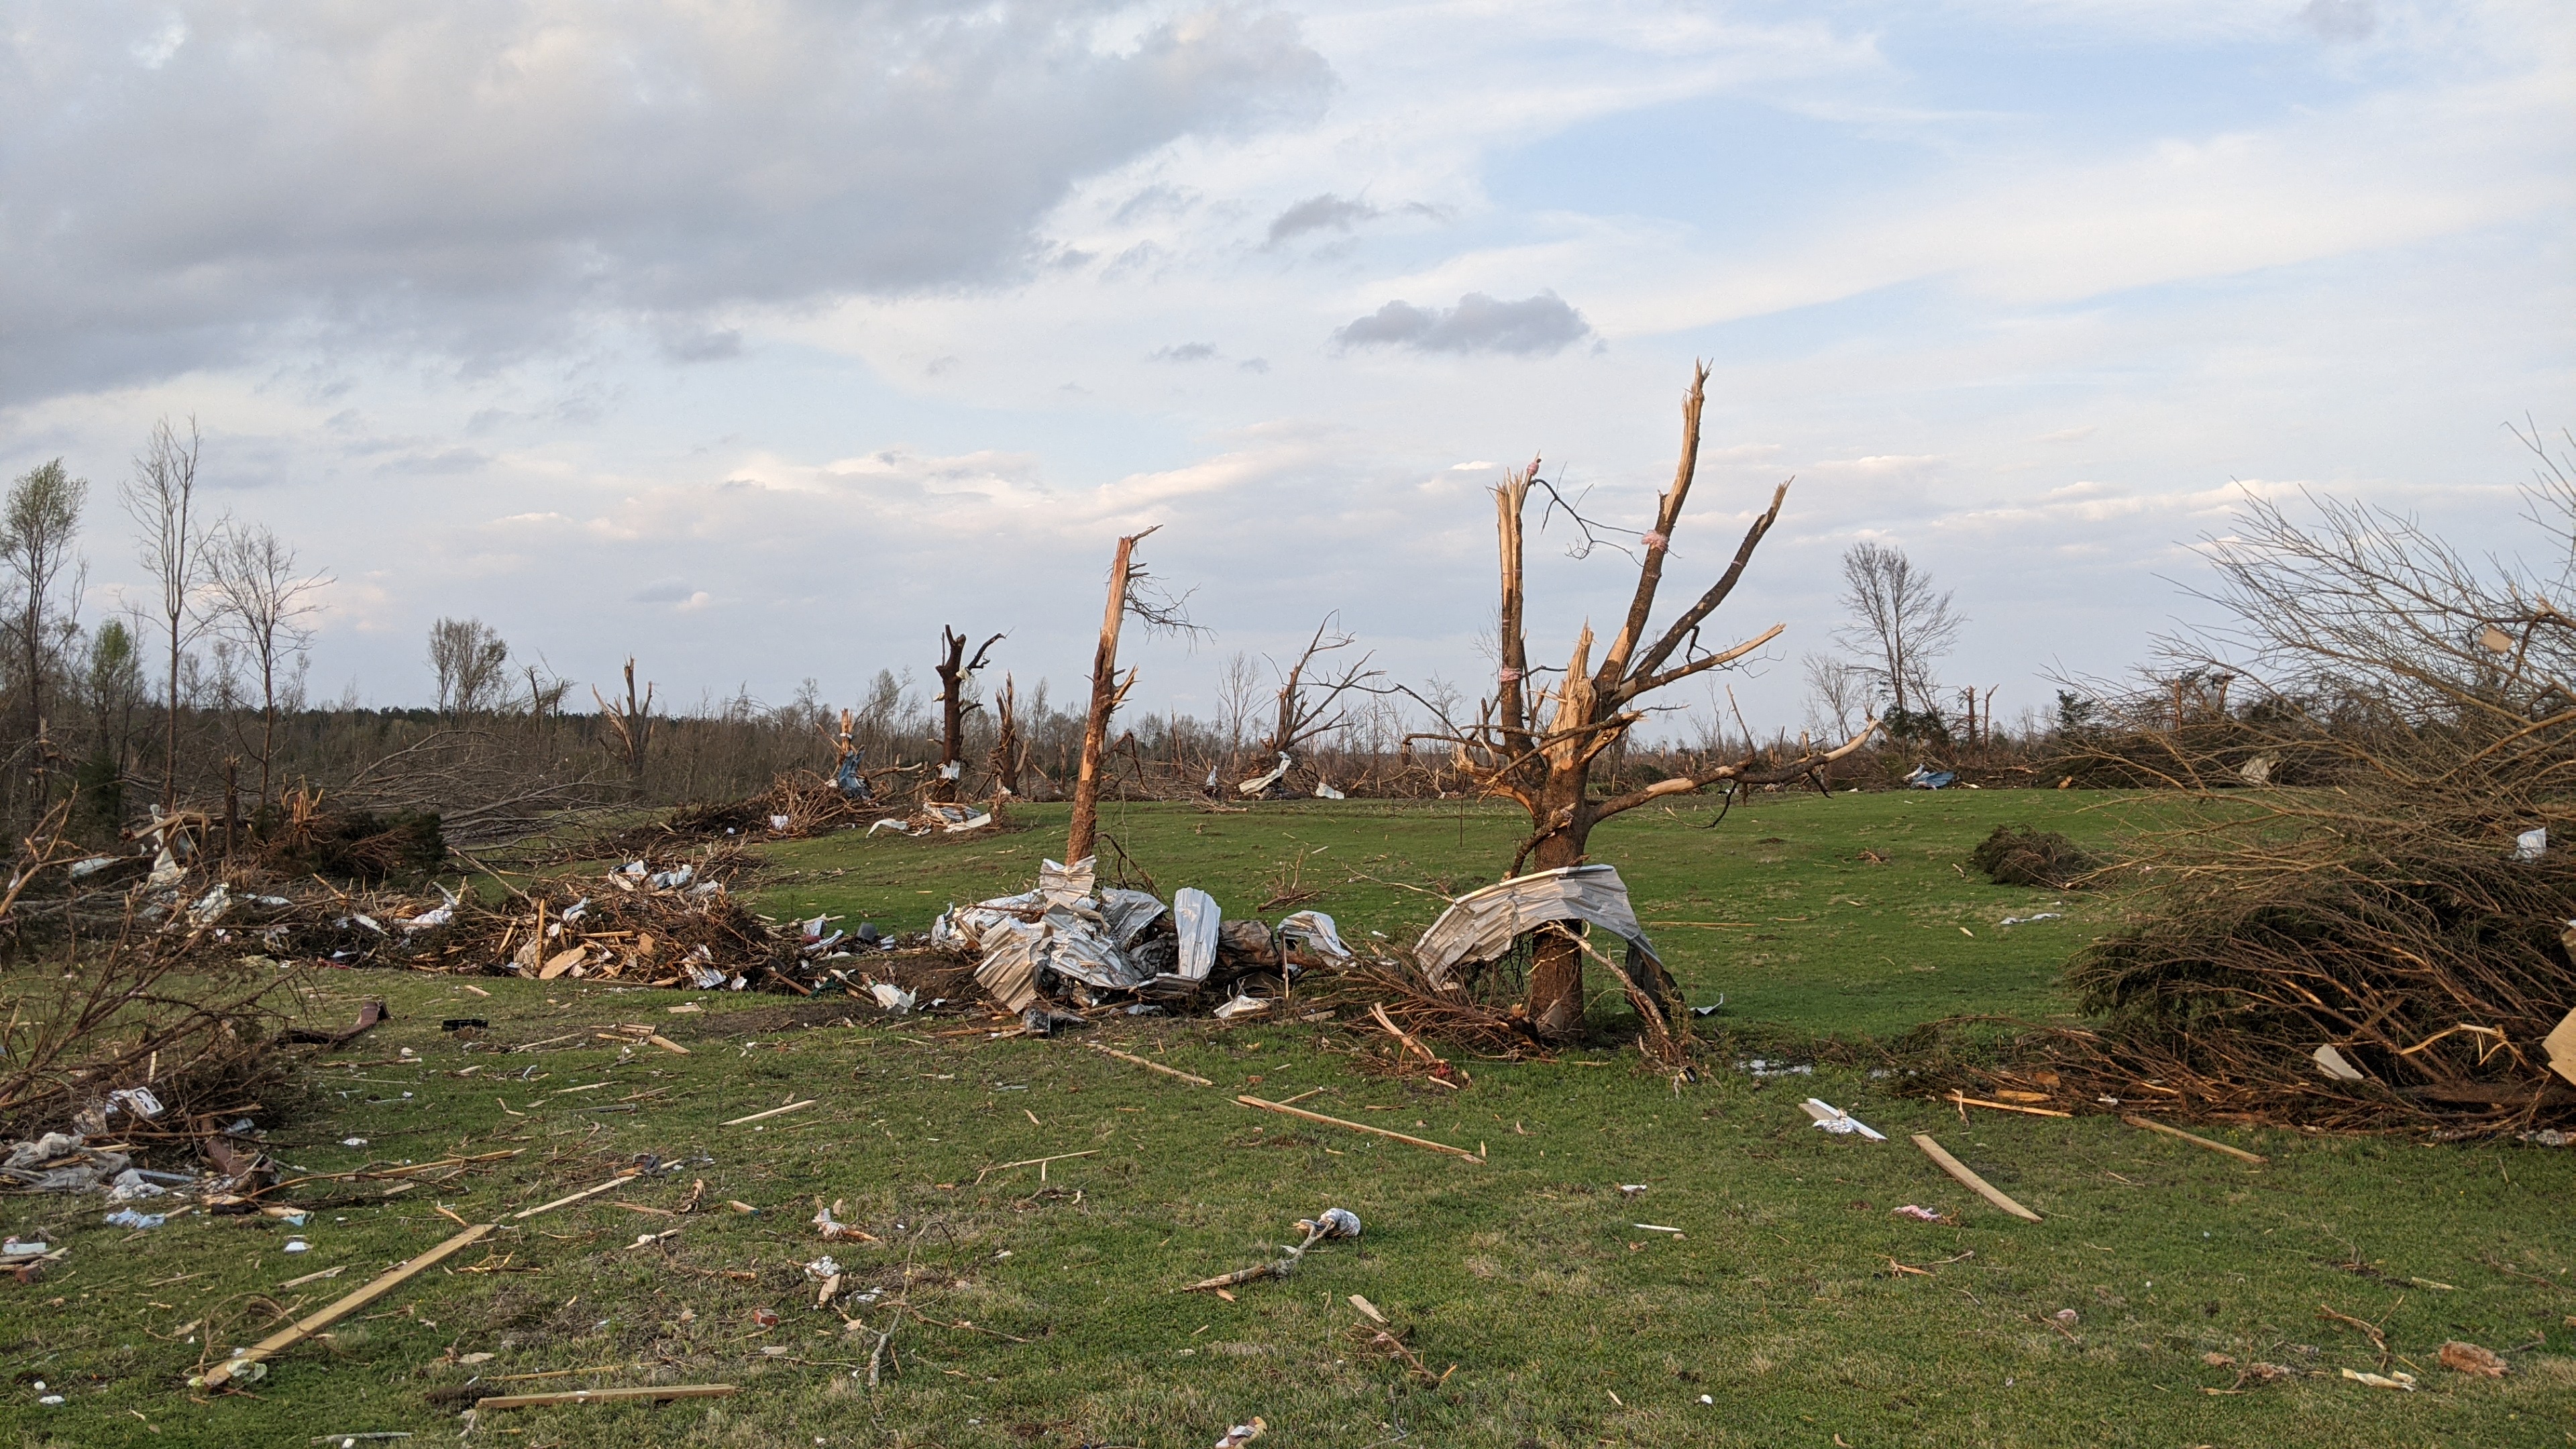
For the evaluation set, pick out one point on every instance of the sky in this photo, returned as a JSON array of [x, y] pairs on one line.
[[758, 341]]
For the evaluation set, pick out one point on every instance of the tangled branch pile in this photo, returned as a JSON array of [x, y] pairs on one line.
[[2405, 912]]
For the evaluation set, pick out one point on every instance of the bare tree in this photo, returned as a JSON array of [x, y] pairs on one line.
[[468, 657], [1236, 690], [161, 499], [36, 533], [632, 722], [1835, 693], [956, 674], [1310, 702], [262, 603], [1537, 746], [1899, 624]]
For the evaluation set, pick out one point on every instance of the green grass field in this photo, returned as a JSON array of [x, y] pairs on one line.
[[1038, 1306]]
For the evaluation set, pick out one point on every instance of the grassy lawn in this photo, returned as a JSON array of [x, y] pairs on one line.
[[1029, 1311]]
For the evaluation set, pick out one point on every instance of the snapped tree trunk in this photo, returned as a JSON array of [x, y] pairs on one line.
[[1106, 691], [954, 670], [1538, 747]]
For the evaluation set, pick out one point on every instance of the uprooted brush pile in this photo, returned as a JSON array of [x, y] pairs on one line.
[[2389, 949], [2019, 855]]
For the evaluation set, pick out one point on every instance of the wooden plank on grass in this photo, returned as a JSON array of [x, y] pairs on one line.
[[1195, 1081], [382, 1284], [620, 1180], [1359, 1127], [1979, 1185], [607, 1396], [772, 1112], [2134, 1120]]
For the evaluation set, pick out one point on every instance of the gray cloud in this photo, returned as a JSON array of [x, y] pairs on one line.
[[2335, 20], [1316, 213], [668, 591], [1186, 352], [483, 179], [1533, 326]]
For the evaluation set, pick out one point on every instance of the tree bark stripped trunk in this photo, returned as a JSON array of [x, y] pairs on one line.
[[954, 669], [1106, 692]]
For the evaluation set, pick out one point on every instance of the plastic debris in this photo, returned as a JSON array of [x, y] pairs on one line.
[[2331, 1062], [353, 1141], [129, 1218], [1839, 1122], [130, 1186], [15, 1248], [61, 1162], [2029, 920], [1240, 1006], [298, 1245], [2531, 844], [1920, 1214], [892, 997], [1242, 1434], [1924, 777], [822, 1268]]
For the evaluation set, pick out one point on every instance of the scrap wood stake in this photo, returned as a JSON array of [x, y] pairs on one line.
[[2134, 1120], [1358, 1127], [772, 1112], [382, 1284], [1959, 1170], [606, 1396], [620, 1180], [1965, 1101], [1195, 1081]]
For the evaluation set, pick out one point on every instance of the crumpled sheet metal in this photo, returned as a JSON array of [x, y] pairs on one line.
[[1482, 925], [1313, 931], [1196, 918], [1058, 928]]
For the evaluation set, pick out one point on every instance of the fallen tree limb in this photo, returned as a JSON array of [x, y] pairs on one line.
[[1359, 1127], [1979, 1185], [304, 1328]]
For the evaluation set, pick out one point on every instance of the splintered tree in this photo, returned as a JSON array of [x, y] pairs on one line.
[[1009, 756], [1536, 746], [1311, 691], [1128, 594], [955, 671]]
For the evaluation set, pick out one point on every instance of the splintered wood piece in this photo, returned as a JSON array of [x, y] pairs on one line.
[[620, 1180], [1301, 1112], [607, 1396], [1964, 1100], [382, 1284], [772, 1112], [1979, 1185], [1195, 1081], [2134, 1120]]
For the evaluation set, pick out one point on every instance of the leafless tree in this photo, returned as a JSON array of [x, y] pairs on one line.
[[468, 658], [1237, 688], [1835, 693], [263, 604], [1309, 699], [43, 514], [1010, 755], [1899, 623], [956, 675], [161, 499], [632, 722], [1536, 745]]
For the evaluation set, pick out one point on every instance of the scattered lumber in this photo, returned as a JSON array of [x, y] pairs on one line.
[[773, 1112], [1979, 1185], [1423, 1142], [654, 1395], [2150, 1124], [1964, 1100], [1151, 1066], [378, 1287], [620, 1180]]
